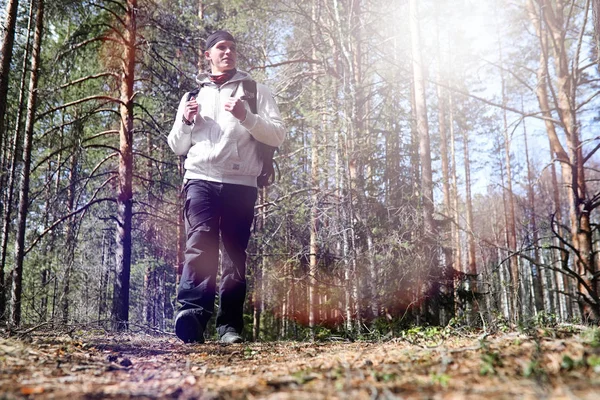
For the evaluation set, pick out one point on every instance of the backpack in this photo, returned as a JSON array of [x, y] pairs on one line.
[[265, 152]]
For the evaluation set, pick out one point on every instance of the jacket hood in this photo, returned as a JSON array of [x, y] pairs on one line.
[[203, 78]]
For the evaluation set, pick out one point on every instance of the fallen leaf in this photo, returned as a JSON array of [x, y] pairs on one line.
[[27, 390]]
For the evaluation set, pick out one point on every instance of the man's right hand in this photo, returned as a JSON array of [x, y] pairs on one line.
[[191, 109]]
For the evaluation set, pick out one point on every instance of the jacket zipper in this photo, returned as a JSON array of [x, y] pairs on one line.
[[211, 156]]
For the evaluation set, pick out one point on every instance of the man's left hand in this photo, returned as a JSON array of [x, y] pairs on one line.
[[236, 107]]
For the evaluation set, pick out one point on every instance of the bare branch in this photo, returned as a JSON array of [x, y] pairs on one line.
[[85, 78], [114, 14], [93, 174], [591, 153], [84, 100], [493, 104], [64, 218], [102, 146], [68, 146], [279, 64], [74, 47]]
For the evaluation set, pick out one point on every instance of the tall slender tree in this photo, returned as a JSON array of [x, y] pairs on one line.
[[9, 187], [17, 272], [313, 294], [535, 265], [553, 19], [422, 126], [125, 194], [6, 53], [510, 200], [471, 269]]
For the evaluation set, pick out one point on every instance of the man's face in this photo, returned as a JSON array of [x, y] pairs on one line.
[[222, 56]]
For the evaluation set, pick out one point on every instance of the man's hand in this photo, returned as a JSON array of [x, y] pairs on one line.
[[236, 107], [190, 110]]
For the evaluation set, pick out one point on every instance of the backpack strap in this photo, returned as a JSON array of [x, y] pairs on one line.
[[193, 93], [265, 152], [249, 87]]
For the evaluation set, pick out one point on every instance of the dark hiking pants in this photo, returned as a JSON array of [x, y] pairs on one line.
[[216, 211]]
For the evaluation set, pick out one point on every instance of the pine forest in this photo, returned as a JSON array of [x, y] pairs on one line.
[[440, 177], [440, 165]]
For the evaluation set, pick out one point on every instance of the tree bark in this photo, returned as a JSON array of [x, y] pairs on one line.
[[573, 171], [565, 300], [6, 53], [125, 195], [426, 184], [510, 202], [555, 146], [17, 273], [201, 7], [313, 295], [596, 17], [70, 236], [422, 123], [103, 286], [350, 59], [14, 158], [49, 245], [457, 245], [258, 284], [447, 272], [536, 272], [147, 311], [471, 270]]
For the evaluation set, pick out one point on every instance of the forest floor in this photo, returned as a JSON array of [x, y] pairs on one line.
[[560, 363]]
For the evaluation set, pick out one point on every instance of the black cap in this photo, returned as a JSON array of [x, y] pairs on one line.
[[216, 37]]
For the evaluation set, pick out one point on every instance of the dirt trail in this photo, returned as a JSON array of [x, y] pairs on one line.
[[92, 366]]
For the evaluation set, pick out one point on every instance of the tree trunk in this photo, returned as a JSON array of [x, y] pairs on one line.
[[596, 16], [285, 301], [70, 233], [104, 273], [343, 220], [150, 304], [538, 287], [555, 146], [160, 301], [507, 278], [6, 53], [573, 165], [565, 299], [422, 123], [256, 307], [510, 226], [258, 284], [344, 246], [471, 270], [44, 294], [147, 300], [46, 263], [350, 59], [430, 231], [313, 295], [125, 196], [200, 54], [17, 273], [447, 272], [457, 245], [16, 146]]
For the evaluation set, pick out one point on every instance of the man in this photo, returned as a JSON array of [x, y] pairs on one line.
[[219, 135]]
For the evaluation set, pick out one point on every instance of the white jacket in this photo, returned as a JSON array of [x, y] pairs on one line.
[[218, 147]]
